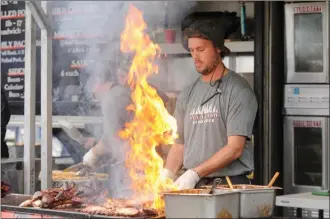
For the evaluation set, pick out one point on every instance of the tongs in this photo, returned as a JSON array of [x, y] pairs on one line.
[[215, 183], [76, 167]]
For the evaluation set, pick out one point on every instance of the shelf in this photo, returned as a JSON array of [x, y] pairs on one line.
[[234, 46], [78, 121]]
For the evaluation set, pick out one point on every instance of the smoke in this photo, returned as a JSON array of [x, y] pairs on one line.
[[87, 40], [94, 28], [88, 34]]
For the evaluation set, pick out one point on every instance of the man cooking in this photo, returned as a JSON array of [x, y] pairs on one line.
[[114, 101], [215, 116]]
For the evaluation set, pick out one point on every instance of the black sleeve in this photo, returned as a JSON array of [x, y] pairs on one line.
[[115, 115], [5, 113], [5, 117]]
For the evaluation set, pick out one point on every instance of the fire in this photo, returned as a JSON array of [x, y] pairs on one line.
[[152, 125]]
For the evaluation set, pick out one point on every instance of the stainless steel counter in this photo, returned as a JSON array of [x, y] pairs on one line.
[[305, 201]]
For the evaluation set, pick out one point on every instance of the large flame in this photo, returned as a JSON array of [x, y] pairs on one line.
[[152, 125]]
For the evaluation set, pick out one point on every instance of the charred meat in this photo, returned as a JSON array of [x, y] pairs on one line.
[[89, 198], [119, 211], [51, 198], [68, 195], [5, 189], [127, 212], [96, 209], [91, 193]]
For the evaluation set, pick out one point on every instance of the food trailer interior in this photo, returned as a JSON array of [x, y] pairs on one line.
[[265, 53]]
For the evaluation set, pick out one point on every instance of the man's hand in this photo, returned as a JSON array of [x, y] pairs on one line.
[[167, 174], [90, 159], [166, 178], [188, 180]]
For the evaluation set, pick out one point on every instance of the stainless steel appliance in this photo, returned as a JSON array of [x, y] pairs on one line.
[[306, 43], [306, 138]]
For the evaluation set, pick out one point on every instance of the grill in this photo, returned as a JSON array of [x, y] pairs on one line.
[[10, 207]]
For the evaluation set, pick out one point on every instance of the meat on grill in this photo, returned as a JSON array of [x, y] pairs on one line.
[[95, 209], [51, 198], [120, 211], [66, 195], [88, 199], [129, 212]]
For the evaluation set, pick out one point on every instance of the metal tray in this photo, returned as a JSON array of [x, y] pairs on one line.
[[80, 182], [12, 202], [197, 203], [255, 201], [24, 212]]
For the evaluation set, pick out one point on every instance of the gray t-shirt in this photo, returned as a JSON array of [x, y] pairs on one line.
[[204, 129], [115, 115]]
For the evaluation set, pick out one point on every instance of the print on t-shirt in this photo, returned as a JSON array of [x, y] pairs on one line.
[[208, 113]]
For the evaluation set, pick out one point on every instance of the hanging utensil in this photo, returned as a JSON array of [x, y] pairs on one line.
[[229, 182], [272, 181], [215, 183]]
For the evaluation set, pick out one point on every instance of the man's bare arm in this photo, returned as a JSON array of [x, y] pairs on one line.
[[99, 149], [174, 160], [223, 157]]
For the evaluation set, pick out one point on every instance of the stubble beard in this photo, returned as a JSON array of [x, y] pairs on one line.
[[210, 68]]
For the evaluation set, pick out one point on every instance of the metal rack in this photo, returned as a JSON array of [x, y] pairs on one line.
[[37, 13], [241, 54], [78, 121], [235, 47]]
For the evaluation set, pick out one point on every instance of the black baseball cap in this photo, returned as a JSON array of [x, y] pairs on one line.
[[206, 29]]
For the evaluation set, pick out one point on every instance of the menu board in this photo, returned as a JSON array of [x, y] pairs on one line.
[[79, 42], [85, 49], [12, 53]]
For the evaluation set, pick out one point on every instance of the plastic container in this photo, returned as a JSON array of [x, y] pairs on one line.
[[170, 35]]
